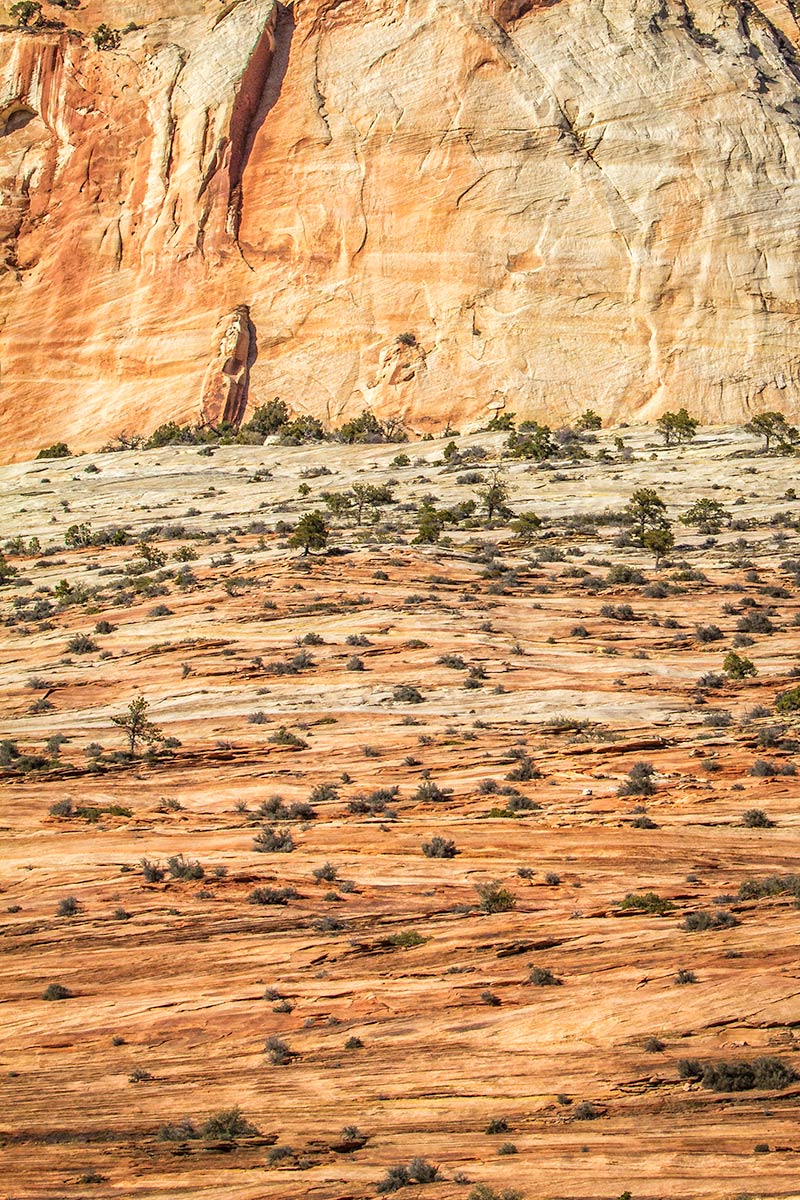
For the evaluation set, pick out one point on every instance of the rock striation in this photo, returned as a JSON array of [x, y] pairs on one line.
[[436, 209]]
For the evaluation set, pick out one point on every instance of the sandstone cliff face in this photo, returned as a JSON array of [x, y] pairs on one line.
[[434, 208]]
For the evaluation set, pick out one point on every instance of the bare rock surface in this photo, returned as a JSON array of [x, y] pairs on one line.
[[409, 1018]]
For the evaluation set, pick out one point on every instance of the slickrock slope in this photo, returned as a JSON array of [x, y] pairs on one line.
[[433, 208], [544, 670]]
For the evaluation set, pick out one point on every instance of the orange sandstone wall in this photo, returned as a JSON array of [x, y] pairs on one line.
[[566, 204]]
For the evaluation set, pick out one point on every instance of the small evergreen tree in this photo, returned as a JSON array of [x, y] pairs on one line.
[[430, 525], [268, 418], [311, 533], [106, 38], [138, 728], [502, 422], [706, 515], [368, 495], [677, 427], [533, 441], [494, 497], [659, 542], [773, 426], [737, 666], [646, 511], [526, 526], [27, 13], [364, 428]]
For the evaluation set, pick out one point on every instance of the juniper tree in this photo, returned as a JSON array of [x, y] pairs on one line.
[[137, 725]]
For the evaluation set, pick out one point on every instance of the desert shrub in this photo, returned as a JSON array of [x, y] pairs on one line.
[[639, 781], [106, 38], [9, 752], [770, 737], [184, 868], [278, 1051], [708, 633], [228, 1123], [57, 450], [507, 1148], [621, 573], [374, 803], [273, 841], [419, 1170], [278, 1154], [685, 976], [152, 872], [270, 895], [522, 804], [788, 701], [585, 1111], [439, 847], [140, 1075], [268, 418], [494, 897], [454, 661], [482, 1191], [756, 818], [184, 1130], [766, 1073], [328, 925], [395, 1178], [525, 770], [643, 823], [56, 991], [324, 793], [498, 1125], [763, 768], [772, 885], [647, 902], [429, 790], [68, 907], [718, 720], [408, 939], [406, 694], [755, 622], [542, 977], [617, 612], [82, 643], [654, 1045], [699, 922]]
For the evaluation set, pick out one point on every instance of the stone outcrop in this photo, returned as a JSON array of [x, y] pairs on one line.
[[438, 210], [228, 376]]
